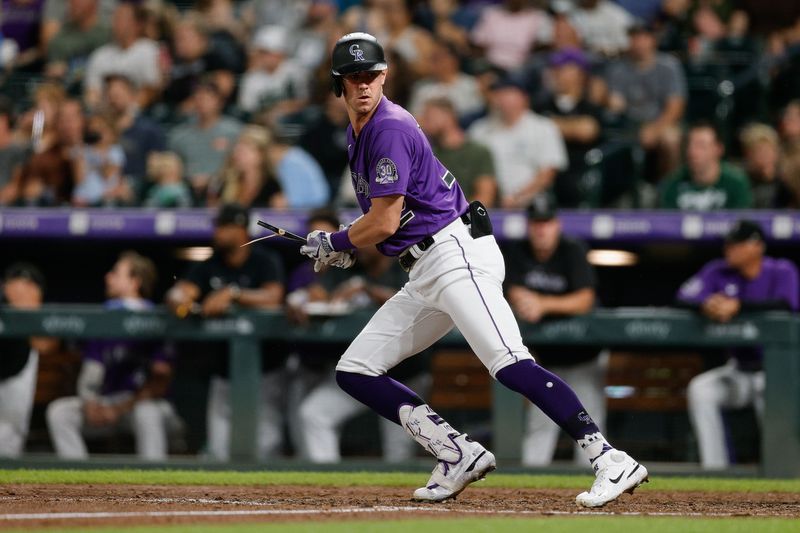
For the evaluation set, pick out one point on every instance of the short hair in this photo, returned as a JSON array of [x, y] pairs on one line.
[[324, 214], [143, 269], [705, 125], [27, 271], [755, 134], [444, 103], [127, 80]]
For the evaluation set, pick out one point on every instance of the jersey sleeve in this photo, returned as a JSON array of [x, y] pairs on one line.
[[789, 286], [696, 289], [390, 163]]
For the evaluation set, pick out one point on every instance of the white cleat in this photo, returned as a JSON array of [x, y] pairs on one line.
[[449, 479], [616, 472]]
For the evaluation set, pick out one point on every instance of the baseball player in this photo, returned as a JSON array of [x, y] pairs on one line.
[[122, 383], [19, 360], [414, 209], [744, 280]]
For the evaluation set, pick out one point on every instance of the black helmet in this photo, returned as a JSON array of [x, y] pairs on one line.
[[355, 52]]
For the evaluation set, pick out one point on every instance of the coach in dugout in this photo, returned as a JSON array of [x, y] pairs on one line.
[[234, 276], [744, 280], [123, 383], [549, 276], [23, 286]]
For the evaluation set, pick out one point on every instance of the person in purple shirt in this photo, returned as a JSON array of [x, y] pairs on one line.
[[745, 280], [414, 209], [123, 383]]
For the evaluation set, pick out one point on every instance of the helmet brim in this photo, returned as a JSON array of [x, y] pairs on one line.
[[361, 66]]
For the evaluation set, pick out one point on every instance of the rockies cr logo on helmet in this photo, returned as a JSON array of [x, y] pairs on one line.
[[355, 52], [358, 54]]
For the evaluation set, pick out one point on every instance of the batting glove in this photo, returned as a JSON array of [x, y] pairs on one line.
[[319, 248]]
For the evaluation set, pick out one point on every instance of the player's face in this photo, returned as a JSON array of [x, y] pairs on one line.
[[740, 254], [544, 234], [119, 282], [363, 90]]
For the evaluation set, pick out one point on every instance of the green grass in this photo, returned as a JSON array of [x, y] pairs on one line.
[[483, 525], [384, 479]]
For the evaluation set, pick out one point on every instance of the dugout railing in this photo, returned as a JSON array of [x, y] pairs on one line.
[[775, 332]]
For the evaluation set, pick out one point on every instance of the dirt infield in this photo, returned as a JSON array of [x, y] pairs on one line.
[[86, 505]]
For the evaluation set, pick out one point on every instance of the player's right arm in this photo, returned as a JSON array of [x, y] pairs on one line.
[[182, 296], [379, 223]]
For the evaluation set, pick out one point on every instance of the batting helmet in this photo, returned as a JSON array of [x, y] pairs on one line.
[[355, 52]]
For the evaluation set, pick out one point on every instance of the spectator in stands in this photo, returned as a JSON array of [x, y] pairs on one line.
[[324, 408], [57, 11], [234, 277], [82, 32], [129, 54], [705, 182], [139, 135], [290, 14], [195, 58], [577, 119], [98, 167], [761, 147], [528, 149], [248, 178], [649, 88], [602, 25], [301, 178], [745, 280], [168, 189], [549, 276], [470, 162], [449, 21], [447, 81], [23, 287], [47, 177], [412, 43], [789, 128], [274, 82], [22, 23], [326, 141], [225, 29], [205, 141], [123, 384], [507, 33], [12, 154]]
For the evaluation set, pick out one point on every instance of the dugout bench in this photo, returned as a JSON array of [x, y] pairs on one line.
[[776, 332]]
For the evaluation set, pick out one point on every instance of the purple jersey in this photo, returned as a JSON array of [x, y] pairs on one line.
[[126, 362], [776, 286], [392, 156]]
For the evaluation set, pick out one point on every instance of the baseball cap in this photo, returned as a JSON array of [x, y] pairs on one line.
[[272, 39], [509, 81], [569, 55], [233, 214], [24, 271], [541, 209], [743, 231]]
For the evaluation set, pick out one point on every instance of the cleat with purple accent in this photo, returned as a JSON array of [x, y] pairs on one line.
[[616, 472], [449, 479]]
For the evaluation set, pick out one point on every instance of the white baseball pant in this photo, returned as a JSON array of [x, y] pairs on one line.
[[328, 407], [458, 281], [150, 421], [724, 387], [269, 436], [541, 433], [16, 403]]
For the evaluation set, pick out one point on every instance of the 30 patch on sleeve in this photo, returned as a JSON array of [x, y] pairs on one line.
[[386, 171]]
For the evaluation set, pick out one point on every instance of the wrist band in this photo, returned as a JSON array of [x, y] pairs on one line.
[[341, 241]]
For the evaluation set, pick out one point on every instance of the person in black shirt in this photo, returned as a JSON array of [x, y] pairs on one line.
[[234, 276], [577, 119], [549, 276], [19, 359]]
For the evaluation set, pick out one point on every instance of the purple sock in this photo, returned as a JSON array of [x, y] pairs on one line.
[[550, 394], [380, 393]]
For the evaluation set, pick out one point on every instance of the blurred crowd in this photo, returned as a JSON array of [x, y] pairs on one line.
[[602, 103]]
